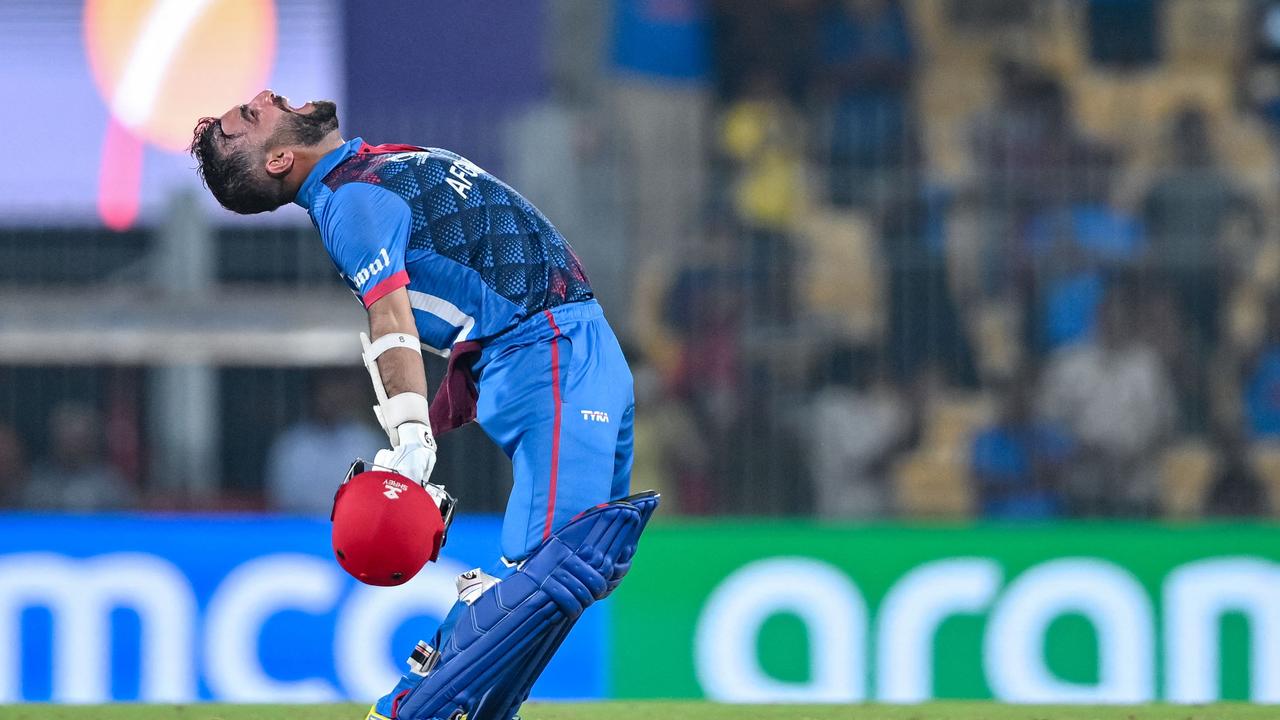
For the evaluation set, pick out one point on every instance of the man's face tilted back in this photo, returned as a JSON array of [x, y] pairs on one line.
[[247, 157]]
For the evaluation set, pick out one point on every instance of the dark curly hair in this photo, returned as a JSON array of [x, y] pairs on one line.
[[230, 173]]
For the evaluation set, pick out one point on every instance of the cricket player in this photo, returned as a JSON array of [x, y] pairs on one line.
[[447, 258]]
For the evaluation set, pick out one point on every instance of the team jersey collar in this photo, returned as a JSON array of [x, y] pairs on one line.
[[331, 160]]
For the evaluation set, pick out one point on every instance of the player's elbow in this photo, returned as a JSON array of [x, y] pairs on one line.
[[392, 313]]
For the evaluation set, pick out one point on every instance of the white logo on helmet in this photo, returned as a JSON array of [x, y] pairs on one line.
[[393, 489]]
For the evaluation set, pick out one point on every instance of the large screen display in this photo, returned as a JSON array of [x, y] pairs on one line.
[[98, 97]]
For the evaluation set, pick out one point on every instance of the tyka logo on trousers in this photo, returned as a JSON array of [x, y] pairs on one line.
[[595, 416]]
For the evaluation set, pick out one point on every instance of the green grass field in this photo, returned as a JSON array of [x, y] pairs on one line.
[[667, 711]]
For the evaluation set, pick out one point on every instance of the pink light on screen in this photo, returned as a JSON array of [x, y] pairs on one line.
[[119, 177]]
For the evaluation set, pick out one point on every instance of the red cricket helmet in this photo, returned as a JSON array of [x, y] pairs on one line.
[[385, 526]]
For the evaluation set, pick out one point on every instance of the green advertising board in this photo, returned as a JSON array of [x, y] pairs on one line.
[[1107, 613]]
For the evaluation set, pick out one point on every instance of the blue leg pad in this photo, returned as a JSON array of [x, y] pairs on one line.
[[504, 699], [501, 643]]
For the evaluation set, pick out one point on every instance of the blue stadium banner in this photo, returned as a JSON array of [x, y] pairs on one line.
[[180, 608]]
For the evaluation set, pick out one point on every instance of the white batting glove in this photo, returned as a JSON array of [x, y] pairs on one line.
[[414, 456]]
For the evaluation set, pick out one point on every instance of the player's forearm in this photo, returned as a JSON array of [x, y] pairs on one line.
[[401, 370], [394, 361]]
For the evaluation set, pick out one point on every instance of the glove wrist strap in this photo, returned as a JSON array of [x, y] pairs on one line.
[[407, 407]]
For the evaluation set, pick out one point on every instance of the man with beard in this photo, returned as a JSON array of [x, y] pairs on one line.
[[446, 257]]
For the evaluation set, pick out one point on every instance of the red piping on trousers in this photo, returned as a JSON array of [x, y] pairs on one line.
[[555, 431]]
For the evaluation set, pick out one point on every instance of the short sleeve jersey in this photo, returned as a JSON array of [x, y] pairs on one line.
[[476, 256]]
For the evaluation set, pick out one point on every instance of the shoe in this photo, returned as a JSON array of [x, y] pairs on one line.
[[420, 662]]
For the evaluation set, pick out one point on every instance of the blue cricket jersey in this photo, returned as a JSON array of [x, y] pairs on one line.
[[475, 255]]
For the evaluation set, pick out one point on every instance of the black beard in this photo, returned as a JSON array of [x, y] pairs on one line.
[[306, 130]]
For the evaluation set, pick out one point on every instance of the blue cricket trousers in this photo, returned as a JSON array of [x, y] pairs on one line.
[[555, 393]]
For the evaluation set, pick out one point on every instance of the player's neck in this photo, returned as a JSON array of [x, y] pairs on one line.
[[305, 159]]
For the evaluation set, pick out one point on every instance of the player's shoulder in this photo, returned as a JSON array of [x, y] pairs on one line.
[[394, 166], [360, 195], [451, 159], [368, 168], [360, 207], [384, 174]]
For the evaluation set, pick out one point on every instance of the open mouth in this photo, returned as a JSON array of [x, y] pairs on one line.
[[282, 102]]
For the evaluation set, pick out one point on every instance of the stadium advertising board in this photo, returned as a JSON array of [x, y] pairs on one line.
[[1090, 613], [94, 609]]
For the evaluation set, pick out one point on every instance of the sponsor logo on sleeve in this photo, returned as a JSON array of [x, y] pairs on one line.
[[380, 263]]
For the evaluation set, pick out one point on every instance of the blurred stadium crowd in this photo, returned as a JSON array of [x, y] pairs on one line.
[[1011, 259]]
